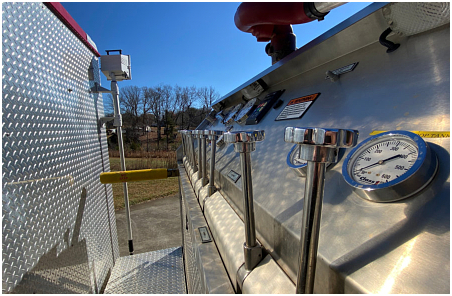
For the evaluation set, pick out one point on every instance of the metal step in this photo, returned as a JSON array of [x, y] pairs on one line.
[[156, 272]]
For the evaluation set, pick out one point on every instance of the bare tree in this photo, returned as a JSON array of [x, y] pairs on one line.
[[108, 104], [189, 96], [131, 100], [207, 95]]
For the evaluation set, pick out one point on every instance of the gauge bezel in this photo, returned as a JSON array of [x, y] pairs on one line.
[[301, 170], [412, 181]]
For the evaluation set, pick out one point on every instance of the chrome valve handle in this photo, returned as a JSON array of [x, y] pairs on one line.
[[212, 136], [244, 143], [190, 149], [318, 146], [199, 134]]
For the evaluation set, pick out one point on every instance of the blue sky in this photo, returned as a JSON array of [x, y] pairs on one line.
[[186, 43]]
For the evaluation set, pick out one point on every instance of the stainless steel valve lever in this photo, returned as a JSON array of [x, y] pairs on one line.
[[191, 149], [318, 146], [212, 136], [199, 134], [244, 143]]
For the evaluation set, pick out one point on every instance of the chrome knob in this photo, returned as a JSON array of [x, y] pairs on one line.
[[197, 134], [212, 135], [244, 141], [318, 146]]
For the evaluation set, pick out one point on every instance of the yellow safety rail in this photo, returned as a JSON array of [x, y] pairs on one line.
[[137, 175]]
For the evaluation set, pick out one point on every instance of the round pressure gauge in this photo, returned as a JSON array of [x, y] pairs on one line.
[[246, 111], [230, 117], [298, 165], [390, 166]]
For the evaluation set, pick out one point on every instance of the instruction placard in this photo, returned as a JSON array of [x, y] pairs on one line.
[[297, 107]]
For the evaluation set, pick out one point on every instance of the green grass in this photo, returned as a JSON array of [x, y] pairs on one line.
[[144, 190]]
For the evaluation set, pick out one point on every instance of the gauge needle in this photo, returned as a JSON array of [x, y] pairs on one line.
[[381, 162]]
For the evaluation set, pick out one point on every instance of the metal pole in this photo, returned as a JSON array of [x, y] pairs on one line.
[[312, 209], [199, 159], [192, 147], [115, 94], [204, 161], [211, 187], [247, 189]]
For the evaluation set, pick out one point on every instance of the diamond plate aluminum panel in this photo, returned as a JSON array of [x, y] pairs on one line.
[[156, 272], [193, 276], [58, 222]]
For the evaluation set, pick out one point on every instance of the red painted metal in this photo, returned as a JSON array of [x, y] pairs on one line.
[[67, 19], [259, 18]]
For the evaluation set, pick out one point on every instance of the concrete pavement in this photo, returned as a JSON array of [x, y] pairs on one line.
[[156, 225]]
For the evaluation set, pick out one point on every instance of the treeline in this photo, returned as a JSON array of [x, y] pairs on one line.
[[163, 106]]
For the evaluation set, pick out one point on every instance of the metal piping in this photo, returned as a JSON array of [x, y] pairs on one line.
[[204, 161], [117, 114], [244, 143], [324, 7], [318, 146], [212, 136], [312, 209]]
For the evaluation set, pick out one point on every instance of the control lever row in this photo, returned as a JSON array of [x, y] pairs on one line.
[[318, 146]]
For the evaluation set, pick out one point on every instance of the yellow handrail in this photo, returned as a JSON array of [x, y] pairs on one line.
[[137, 175]]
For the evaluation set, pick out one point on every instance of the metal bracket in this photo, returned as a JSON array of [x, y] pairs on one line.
[[104, 120], [99, 89], [253, 256], [117, 120]]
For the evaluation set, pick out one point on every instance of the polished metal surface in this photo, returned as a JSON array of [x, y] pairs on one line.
[[198, 134], [58, 220], [156, 272], [228, 232], [364, 247], [268, 278], [191, 146], [326, 143], [212, 136], [204, 268], [298, 165], [122, 160], [323, 7], [326, 137], [411, 18], [244, 143], [203, 160]]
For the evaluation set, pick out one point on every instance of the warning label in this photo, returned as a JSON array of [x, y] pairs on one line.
[[297, 107]]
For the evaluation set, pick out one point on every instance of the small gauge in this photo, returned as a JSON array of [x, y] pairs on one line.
[[246, 111], [298, 165], [230, 117], [390, 166]]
